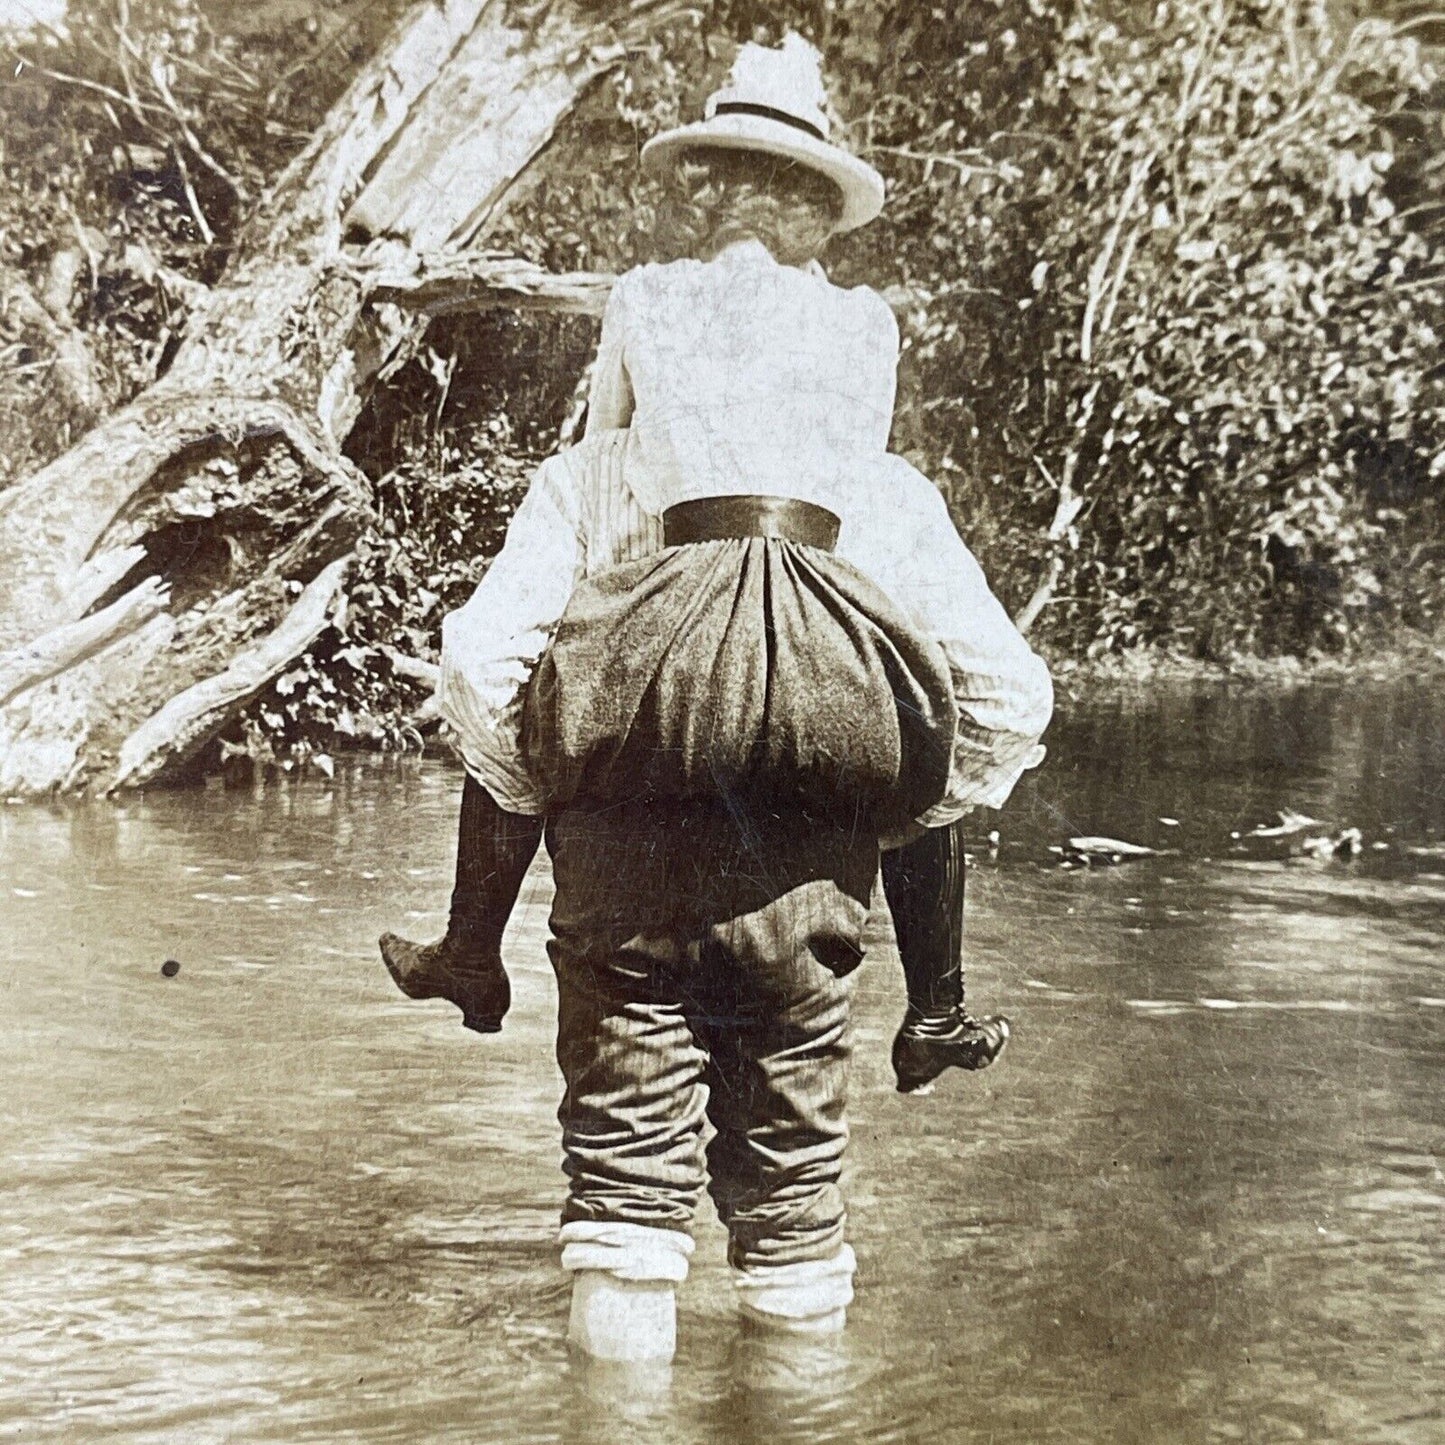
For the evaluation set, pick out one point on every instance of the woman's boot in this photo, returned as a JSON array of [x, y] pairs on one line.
[[464, 966], [924, 884]]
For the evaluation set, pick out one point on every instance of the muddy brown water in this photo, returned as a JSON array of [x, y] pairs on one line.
[[266, 1199]]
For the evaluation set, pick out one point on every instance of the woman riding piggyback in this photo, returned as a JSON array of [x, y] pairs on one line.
[[730, 644]]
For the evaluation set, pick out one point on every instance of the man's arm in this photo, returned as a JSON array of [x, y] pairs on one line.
[[491, 645], [610, 400], [1004, 693]]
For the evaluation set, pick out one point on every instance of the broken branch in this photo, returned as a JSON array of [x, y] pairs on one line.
[[25, 667], [443, 286], [192, 716]]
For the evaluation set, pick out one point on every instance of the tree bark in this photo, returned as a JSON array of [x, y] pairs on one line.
[[190, 718], [209, 480], [74, 365], [434, 286], [72, 642]]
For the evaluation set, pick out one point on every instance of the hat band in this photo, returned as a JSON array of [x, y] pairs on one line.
[[768, 112]]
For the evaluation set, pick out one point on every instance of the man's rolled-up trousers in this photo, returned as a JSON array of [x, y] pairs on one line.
[[703, 955]]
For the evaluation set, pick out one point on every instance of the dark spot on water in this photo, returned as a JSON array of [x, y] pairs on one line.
[[170, 968]]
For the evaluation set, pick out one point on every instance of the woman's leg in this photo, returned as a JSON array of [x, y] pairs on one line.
[[924, 884], [464, 966]]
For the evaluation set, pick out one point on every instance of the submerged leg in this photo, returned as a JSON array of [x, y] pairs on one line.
[[924, 884], [464, 966], [632, 1113], [773, 1002]]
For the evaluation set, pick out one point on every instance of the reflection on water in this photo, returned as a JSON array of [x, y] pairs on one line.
[[1202, 1198]]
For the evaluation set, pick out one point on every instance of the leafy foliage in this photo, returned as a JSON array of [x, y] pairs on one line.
[[452, 442], [133, 146], [1249, 339], [1171, 296], [1200, 335], [1170, 279]]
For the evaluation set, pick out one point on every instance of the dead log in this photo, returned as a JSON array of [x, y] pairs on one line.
[[445, 285], [53, 732], [192, 718], [73, 363], [97, 576], [218, 471], [51, 527], [26, 667]]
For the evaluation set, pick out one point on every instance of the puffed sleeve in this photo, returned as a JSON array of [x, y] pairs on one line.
[[610, 400], [877, 349], [888, 346]]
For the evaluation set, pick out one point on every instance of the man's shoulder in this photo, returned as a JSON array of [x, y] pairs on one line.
[[901, 483]]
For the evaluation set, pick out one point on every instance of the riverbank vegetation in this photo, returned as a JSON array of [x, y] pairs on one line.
[[1170, 280]]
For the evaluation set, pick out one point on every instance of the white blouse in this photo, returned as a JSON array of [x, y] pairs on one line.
[[743, 375]]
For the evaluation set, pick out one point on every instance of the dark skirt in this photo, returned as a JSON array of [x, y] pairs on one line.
[[755, 672]]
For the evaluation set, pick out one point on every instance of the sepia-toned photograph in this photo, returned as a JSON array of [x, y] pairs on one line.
[[722, 723]]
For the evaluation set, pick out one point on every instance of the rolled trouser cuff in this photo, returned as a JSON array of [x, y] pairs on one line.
[[626, 1251], [797, 1296]]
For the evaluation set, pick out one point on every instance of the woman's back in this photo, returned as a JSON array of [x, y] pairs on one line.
[[743, 375]]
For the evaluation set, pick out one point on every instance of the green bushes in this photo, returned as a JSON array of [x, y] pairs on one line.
[[1198, 331], [1169, 277]]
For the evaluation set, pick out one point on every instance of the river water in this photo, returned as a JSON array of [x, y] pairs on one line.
[[1201, 1198]]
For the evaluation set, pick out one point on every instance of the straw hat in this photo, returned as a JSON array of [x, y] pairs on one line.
[[774, 102]]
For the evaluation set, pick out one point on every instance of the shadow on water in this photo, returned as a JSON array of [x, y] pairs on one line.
[[1202, 1198]]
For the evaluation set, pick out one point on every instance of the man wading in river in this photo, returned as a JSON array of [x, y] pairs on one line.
[[778, 652]]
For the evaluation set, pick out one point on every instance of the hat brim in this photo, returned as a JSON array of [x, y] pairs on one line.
[[860, 184]]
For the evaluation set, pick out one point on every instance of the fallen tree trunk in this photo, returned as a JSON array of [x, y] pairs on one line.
[[25, 667], [73, 363], [449, 284], [446, 285], [190, 718], [210, 482]]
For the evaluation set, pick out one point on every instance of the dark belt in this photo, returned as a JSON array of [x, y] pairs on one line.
[[715, 519]]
